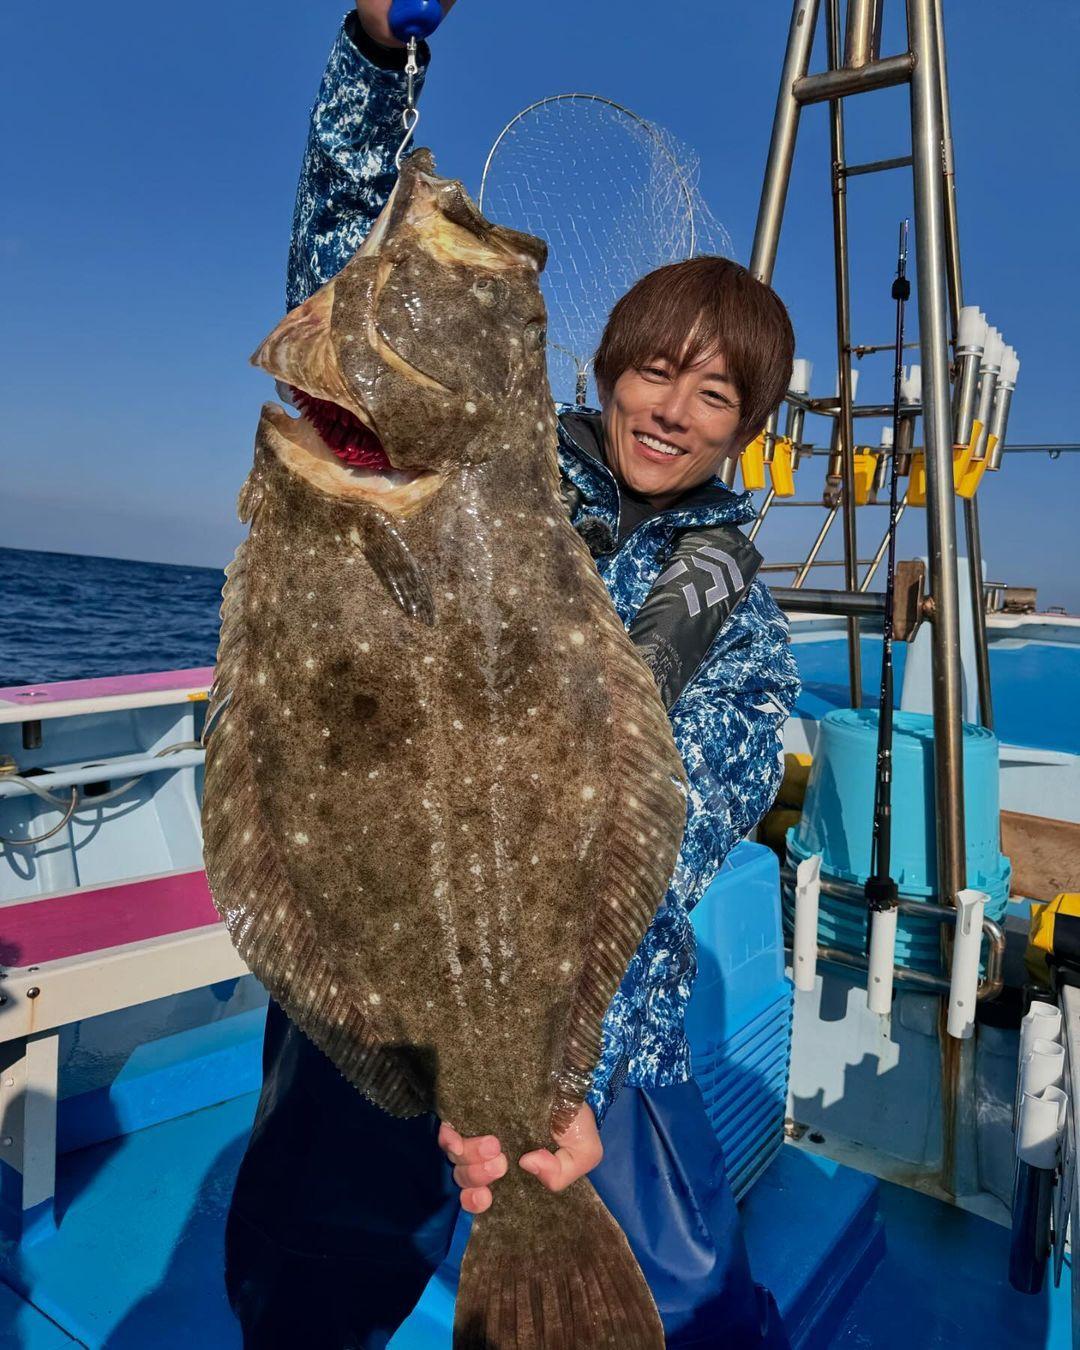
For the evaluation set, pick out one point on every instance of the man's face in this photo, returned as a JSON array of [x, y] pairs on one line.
[[670, 428]]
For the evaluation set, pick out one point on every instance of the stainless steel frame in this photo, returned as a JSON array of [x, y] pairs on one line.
[[938, 283]]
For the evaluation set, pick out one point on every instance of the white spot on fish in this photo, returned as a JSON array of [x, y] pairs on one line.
[[633, 728], [550, 522], [470, 406], [429, 660], [374, 773], [475, 869], [467, 781], [577, 637], [309, 664], [457, 725], [286, 712], [565, 967], [449, 595], [587, 794], [301, 837], [374, 998], [533, 711], [534, 860], [326, 731], [311, 594], [261, 677], [365, 646], [540, 425]]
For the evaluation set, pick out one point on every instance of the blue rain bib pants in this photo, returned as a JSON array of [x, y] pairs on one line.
[[342, 1213]]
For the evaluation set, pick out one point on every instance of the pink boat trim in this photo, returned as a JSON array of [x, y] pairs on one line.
[[105, 916], [108, 686]]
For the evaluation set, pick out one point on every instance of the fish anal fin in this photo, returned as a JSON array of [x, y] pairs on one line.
[[258, 903]]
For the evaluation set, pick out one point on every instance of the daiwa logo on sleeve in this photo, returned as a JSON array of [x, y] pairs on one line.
[[723, 578]]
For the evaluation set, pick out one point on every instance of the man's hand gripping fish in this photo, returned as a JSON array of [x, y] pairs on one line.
[[442, 798]]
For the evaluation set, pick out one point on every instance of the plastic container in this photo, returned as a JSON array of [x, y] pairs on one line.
[[837, 822]]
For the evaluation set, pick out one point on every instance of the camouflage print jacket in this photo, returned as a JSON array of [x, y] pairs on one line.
[[727, 719]]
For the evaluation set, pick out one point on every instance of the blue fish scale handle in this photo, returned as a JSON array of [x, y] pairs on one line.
[[414, 18]]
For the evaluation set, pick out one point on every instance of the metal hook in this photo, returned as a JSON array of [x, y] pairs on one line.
[[410, 114]]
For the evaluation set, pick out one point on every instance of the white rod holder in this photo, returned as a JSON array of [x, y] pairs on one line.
[[967, 947], [1042, 1123], [1043, 1067], [804, 946], [879, 974]]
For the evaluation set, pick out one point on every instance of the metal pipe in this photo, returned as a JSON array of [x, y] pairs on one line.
[[845, 426], [759, 519], [815, 547], [818, 562], [782, 145], [978, 613], [883, 547], [863, 33], [849, 893], [937, 436], [840, 83], [877, 166], [999, 421], [954, 277], [870, 606], [131, 767]]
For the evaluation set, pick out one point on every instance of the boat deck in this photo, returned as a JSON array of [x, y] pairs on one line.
[[137, 1259]]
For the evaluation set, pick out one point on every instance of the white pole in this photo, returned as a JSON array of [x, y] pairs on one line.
[[967, 946], [879, 975], [805, 942]]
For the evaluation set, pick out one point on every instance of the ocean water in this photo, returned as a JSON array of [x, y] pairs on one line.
[[69, 617]]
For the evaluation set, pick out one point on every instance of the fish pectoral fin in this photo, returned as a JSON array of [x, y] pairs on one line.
[[390, 559]]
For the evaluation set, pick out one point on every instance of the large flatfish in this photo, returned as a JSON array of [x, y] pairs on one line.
[[442, 799]]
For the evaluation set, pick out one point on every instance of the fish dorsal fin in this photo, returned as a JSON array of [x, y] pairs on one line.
[[256, 899], [648, 814]]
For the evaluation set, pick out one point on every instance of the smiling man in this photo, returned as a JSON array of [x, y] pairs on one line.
[[341, 1213]]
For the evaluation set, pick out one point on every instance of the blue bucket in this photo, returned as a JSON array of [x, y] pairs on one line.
[[838, 818]]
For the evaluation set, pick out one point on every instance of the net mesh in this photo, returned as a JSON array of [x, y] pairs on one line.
[[613, 196]]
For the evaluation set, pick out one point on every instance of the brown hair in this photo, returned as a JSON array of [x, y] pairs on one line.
[[688, 310]]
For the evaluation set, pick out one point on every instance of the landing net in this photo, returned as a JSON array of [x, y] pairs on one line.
[[612, 195]]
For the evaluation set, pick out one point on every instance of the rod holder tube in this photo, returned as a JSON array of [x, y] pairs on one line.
[[1043, 1066], [966, 396], [804, 949], [882, 960], [1042, 1123], [999, 422], [1042, 1021], [967, 948]]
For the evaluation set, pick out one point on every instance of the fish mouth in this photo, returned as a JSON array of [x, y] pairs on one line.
[[339, 454], [350, 438]]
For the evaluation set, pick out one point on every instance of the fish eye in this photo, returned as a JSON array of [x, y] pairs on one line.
[[484, 290], [536, 337]]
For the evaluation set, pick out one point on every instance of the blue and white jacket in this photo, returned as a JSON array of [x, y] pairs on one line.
[[727, 719]]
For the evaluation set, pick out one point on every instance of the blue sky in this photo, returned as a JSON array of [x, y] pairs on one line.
[[150, 158]]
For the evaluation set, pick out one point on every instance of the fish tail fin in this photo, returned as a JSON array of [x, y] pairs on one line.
[[551, 1272]]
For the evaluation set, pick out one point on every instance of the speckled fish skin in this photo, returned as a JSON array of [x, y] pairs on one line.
[[442, 800]]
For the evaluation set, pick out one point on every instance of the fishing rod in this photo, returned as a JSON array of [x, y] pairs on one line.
[[881, 890]]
